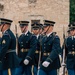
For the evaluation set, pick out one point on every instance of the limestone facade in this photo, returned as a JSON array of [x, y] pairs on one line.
[[56, 10]]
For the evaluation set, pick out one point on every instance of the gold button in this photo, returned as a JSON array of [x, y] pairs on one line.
[[26, 41], [44, 47], [73, 45], [22, 50], [72, 48], [48, 53], [73, 53]]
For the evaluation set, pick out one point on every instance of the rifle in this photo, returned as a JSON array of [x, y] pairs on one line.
[[16, 39], [64, 56], [39, 55]]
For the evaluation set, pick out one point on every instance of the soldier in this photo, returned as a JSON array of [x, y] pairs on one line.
[[64, 53], [50, 51], [8, 56], [27, 46], [70, 50], [36, 31]]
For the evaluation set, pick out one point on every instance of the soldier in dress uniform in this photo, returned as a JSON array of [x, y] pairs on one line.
[[8, 56], [27, 46], [50, 51], [36, 31], [70, 50]]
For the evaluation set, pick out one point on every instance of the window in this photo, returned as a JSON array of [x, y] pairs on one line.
[[33, 21], [32, 1]]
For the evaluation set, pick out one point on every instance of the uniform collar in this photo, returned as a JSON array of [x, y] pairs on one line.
[[37, 36], [73, 36], [26, 32], [49, 34], [5, 31]]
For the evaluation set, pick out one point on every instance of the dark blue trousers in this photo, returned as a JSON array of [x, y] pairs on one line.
[[35, 70], [51, 72], [5, 72], [0, 72], [24, 70], [71, 72]]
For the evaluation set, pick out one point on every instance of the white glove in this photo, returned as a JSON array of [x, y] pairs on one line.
[[45, 63], [26, 62]]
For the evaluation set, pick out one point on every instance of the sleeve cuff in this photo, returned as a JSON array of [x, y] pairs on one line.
[[49, 60], [28, 57]]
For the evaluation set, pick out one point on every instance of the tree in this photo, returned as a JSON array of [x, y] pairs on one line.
[[72, 11]]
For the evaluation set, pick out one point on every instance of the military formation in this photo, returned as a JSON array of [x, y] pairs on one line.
[[36, 52]]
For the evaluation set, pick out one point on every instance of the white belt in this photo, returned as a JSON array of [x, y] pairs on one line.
[[9, 51]]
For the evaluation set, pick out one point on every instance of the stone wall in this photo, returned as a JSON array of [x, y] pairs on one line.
[[56, 10]]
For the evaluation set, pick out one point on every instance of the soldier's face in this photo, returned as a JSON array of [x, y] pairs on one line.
[[35, 31], [41, 31], [45, 29], [72, 32], [24, 29], [48, 29]]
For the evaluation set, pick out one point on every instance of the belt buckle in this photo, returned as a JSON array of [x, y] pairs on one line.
[[22, 50], [26, 50], [73, 53], [44, 54], [36, 51], [48, 53]]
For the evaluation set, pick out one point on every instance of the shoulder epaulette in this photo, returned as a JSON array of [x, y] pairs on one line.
[[68, 37], [56, 36], [6, 33], [33, 35], [54, 33]]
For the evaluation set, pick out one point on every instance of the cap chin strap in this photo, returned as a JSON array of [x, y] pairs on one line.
[[38, 31], [47, 30], [2, 27], [24, 29]]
